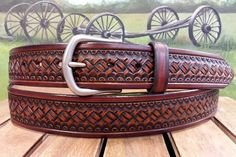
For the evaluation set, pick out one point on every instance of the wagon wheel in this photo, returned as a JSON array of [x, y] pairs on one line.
[[41, 21], [160, 17], [204, 26], [106, 25], [70, 25], [14, 20]]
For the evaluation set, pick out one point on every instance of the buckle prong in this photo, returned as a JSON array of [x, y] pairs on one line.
[[77, 65], [67, 66]]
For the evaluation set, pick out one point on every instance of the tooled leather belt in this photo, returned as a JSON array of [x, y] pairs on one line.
[[95, 67]]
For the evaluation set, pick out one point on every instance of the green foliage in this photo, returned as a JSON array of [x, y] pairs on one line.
[[145, 6], [131, 6]]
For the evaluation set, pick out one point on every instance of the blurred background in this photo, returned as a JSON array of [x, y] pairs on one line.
[[134, 15]]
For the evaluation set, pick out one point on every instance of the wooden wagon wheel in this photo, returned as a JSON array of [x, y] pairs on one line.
[[41, 21], [204, 26], [106, 25], [14, 22], [160, 17], [72, 24]]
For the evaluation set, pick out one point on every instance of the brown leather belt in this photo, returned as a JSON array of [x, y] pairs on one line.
[[109, 66]]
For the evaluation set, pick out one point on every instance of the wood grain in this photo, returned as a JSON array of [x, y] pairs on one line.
[[204, 140], [4, 111], [16, 141], [226, 113], [148, 146], [60, 146]]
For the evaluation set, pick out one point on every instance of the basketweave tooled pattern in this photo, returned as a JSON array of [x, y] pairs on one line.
[[108, 65], [197, 69], [111, 117], [117, 66]]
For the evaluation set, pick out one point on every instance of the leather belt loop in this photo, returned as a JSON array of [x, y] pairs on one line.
[[161, 68]]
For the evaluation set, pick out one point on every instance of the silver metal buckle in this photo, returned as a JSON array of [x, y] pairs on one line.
[[67, 66]]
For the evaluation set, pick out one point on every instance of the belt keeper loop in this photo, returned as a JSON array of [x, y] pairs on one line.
[[161, 67]]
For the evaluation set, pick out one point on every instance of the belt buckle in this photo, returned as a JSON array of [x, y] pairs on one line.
[[67, 66]]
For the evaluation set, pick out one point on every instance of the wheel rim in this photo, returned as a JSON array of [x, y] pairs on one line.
[[41, 21], [160, 17], [106, 26], [205, 27], [70, 25], [14, 20]]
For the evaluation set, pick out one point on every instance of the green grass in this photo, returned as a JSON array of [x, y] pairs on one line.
[[225, 47]]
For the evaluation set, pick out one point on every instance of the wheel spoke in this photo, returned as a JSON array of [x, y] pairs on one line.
[[33, 29], [53, 26], [71, 26], [50, 13], [66, 32], [157, 17], [13, 21], [212, 36], [197, 26], [67, 37], [37, 32], [114, 26], [200, 36], [160, 16], [97, 29], [67, 27], [46, 34], [99, 25], [110, 23], [107, 20], [173, 15], [102, 23], [196, 19], [197, 34], [13, 27], [155, 25], [54, 17], [168, 35], [168, 15], [77, 23], [210, 16], [17, 17], [115, 30], [72, 22], [42, 33], [216, 21], [37, 14], [34, 18], [210, 39], [215, 31], [16, 30], [51, 32], [215, 26], [196, 30], [156, 21], [200, 18]]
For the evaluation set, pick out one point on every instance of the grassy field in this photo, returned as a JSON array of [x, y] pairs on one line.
[[225, 47]]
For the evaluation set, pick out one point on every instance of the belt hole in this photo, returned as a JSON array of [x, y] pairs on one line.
[[23, 64], [138, 65], [38, 63], [111, 64]]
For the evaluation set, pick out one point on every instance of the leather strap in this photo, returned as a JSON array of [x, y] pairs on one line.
[[161, 65], [111, 115], [115, 66]]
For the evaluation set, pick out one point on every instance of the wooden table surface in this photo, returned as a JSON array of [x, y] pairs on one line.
[[216, 137]]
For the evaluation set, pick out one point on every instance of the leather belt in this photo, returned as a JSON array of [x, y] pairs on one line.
[[107, 67]]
